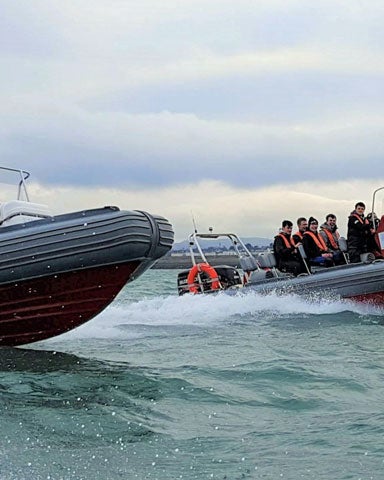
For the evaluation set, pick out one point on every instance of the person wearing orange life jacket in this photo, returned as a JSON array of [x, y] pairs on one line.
[[285, 250], [358, 231], [315, 247], [330, 235], [302, 226]]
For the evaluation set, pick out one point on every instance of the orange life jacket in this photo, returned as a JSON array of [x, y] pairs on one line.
[[331, 239], [288, 243], [358, 217], [318, 240]]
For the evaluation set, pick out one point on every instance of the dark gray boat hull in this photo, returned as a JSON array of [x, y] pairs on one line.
[[58, 273], [360, 282]]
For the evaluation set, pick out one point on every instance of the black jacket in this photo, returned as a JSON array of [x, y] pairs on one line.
[[282, 252], [357, 232], [296, 238], [310, 247]]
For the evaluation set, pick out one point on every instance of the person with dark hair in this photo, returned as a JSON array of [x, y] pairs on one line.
[[358, 231], [315, 247], [285, 250], [302, 226], [330, 235]]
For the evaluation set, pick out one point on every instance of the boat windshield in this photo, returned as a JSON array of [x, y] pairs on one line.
[[13, 184]]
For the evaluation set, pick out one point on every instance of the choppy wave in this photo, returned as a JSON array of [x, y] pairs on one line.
[[211, 310], [199, 387]]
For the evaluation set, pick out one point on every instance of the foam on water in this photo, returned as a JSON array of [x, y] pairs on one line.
[[210, 387], [210, 310]]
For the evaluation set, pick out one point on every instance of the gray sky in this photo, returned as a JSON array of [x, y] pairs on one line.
[[229, 102]]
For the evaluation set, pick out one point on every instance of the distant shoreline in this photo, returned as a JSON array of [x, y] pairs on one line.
[[172, 262]]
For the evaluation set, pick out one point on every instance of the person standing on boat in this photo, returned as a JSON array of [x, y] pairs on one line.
[[330, 235], [285, 250], [358, 231], [315, 248], [302, 226]]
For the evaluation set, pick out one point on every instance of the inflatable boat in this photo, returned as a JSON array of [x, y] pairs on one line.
[[59, 271], [361, 282]]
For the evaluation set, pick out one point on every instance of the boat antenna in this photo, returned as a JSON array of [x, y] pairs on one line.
[[194, 223]]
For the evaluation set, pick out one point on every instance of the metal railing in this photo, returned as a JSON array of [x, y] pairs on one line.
[[21, 185]]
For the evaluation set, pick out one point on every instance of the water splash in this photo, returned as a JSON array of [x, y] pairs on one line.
[[211, 310]]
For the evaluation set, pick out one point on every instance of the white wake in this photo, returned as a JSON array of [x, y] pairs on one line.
[[208, 310]]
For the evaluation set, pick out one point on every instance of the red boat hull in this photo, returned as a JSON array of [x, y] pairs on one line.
[[370, 298], [41, 308]]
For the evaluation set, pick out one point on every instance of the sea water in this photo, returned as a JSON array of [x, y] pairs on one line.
[[199, 387]]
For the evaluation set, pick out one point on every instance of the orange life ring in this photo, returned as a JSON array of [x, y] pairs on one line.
[[206, 268]]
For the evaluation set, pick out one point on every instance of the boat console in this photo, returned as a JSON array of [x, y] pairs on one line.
[[227, 276], [204, 278]]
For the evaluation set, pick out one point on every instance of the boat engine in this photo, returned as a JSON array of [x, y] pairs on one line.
[[228, 277]]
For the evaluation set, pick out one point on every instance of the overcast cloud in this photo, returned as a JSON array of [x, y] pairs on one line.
[[169, 97]]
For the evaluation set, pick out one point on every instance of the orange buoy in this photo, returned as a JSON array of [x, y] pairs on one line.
[[198, 268]]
